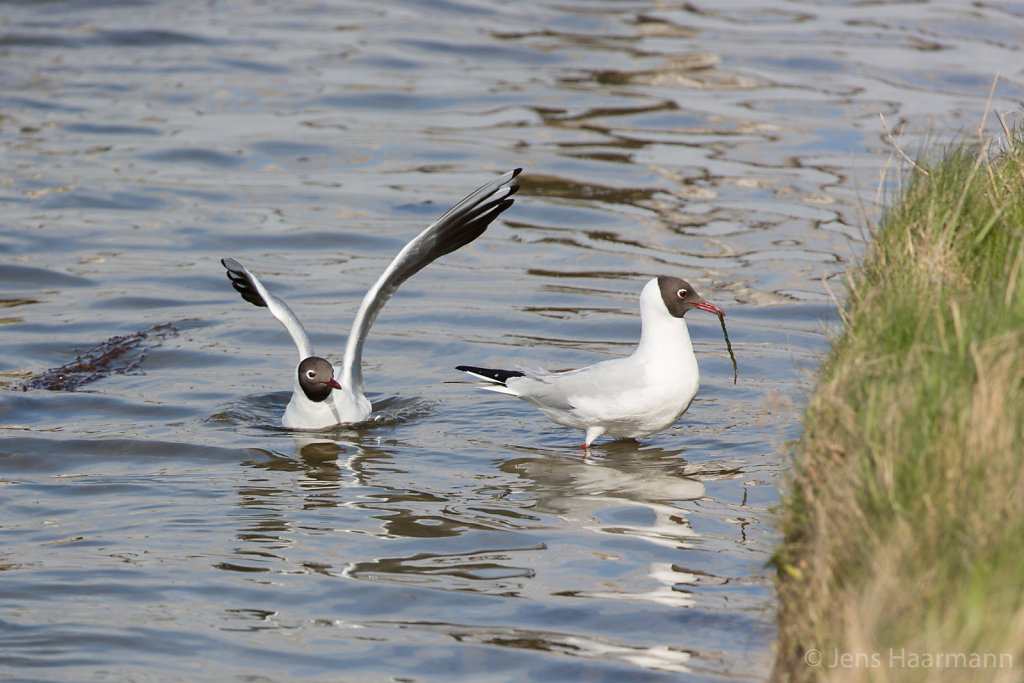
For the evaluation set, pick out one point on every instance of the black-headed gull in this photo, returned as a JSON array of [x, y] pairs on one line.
[[626, 397], [321, 400]]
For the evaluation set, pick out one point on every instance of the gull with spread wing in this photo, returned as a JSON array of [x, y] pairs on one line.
[[323, 399]]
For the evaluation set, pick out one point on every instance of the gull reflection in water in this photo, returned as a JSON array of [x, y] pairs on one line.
[[540, 530], [625, 474]]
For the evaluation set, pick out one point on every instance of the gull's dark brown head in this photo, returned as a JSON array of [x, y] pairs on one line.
[[316, 377], [679, 296]]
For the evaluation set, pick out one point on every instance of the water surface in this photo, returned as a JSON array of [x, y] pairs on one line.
[[156, 524]]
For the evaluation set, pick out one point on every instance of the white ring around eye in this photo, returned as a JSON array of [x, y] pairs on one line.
[[682, 293], [311, 374]]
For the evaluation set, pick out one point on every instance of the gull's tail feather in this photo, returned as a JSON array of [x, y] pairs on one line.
[[490, 374]]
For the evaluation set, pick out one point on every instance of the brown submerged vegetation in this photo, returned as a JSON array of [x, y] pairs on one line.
[[118, 355]]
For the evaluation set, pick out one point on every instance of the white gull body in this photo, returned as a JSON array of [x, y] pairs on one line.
[[634, 396], [322, 399]]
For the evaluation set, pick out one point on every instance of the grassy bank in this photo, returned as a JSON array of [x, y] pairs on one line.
[[903, 551]]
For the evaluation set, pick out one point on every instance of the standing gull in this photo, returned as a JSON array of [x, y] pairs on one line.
[[319, 398], [626, 397]]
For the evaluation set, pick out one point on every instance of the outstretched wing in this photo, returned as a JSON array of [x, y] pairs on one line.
[[253, 291], [466, 221]]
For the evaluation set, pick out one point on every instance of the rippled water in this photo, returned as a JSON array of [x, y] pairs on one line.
[[157, 525]]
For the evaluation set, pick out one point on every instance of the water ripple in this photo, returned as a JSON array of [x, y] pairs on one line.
[[160, 522]]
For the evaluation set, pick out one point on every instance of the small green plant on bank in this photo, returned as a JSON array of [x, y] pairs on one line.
[[903, 550]]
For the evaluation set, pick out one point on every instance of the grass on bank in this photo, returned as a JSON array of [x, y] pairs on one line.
[[904, 523]]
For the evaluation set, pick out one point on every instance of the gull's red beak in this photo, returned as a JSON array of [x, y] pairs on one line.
[[333, 383], [709, 307]]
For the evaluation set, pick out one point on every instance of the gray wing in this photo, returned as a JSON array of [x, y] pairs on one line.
[[253, 291], [462, 224], [570, 390]]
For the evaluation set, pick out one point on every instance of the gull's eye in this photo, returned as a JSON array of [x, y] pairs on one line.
[[311, 374], [682, 293]]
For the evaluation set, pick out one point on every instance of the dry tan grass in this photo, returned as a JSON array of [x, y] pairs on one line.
[[904, 522]]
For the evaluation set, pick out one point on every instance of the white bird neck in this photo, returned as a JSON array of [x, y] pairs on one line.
[[662, 335]]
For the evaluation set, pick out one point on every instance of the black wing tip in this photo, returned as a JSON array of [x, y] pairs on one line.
[[512, 188], [472, 224], [240, 281], [492, 374], [235, 270]]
